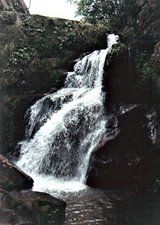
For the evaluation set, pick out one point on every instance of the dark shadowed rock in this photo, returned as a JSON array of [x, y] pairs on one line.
[[12, 178], [16, 5], [118, 79], [122, 79], [30, 208], [124, 161]]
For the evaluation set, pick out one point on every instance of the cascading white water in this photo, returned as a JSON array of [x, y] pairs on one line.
[[67, 126]]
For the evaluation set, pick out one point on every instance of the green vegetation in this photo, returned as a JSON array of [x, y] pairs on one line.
[[118, 16], [145, 68], [115, 13], [117, 52], [60, 35], [13, 74]]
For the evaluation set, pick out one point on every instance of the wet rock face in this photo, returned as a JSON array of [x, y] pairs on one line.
[[12, 178], [118, 79], [27, 207], [123, 79], [124, 161]]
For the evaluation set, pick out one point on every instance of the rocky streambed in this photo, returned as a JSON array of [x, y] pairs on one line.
[[91, 206]]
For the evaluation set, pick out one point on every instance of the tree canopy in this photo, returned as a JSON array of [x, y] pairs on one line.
[[117, 14]]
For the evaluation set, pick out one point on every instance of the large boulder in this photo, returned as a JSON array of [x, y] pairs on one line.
[[30, 208], [12, 178], [21, 206], [124, 161]]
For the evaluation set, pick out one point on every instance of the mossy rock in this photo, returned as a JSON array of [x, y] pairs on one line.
[[118, 51]]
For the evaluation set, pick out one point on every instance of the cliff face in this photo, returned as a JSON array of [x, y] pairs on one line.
[[132, 81], [14, 5], [149, 17], [134, 78]]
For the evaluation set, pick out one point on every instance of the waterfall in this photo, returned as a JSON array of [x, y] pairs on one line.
[[65, 127], [130, 78]]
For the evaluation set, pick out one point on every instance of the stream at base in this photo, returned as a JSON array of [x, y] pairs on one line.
[[97, 207], [90, 206]]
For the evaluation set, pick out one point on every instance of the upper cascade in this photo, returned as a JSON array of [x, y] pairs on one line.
[[67, 126]]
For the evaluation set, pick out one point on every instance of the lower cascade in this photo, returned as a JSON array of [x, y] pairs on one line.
[[65, 127]]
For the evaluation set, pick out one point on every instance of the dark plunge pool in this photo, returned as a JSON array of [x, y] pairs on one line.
[[97, 207]]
